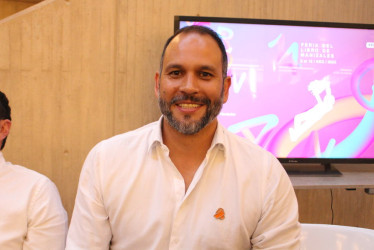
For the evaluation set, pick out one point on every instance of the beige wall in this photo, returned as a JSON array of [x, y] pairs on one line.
[[79, 71]]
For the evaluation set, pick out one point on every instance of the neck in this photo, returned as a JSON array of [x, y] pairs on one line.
[[187, 152], [198, 142]]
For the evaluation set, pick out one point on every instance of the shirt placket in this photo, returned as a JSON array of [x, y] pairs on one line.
[[178, 226]]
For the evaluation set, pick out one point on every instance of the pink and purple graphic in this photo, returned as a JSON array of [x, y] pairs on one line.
[[301, 92]]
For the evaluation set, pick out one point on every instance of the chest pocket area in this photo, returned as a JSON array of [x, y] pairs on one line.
[[223, 230]]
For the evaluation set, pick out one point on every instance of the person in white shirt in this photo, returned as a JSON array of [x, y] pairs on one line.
[[185, 182], [31, 212]]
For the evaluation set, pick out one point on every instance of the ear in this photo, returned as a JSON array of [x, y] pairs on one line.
[[226, 87], [157, 84], [4, 128]]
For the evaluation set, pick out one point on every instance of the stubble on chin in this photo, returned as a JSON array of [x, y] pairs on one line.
[[187, 126]]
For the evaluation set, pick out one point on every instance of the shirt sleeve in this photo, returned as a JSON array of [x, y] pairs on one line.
[[47, 222], [278, 227], [89, 227]]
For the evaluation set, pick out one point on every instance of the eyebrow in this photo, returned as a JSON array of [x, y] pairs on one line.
[[206, 67], [177, 66]]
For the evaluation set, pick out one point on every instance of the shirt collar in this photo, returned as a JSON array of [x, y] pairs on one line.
[[156, 135], [219, 139]]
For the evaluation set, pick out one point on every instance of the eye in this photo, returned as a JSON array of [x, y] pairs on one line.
[[175, 73], [205, 75]]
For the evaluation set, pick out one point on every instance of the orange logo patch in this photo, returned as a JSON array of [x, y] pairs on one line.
[[220, 214]]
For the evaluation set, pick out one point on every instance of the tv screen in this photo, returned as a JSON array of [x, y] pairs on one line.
[[301, 90]]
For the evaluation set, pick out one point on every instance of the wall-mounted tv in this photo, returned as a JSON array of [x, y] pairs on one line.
[[301, 90]]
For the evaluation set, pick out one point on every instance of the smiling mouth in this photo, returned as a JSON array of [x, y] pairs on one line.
[[188, 105]]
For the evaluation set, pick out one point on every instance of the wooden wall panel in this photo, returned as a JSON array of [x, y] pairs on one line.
[[58, 75], [10, 7], [79, 71]]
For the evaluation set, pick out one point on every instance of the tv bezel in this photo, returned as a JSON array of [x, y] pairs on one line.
[[324, 161]]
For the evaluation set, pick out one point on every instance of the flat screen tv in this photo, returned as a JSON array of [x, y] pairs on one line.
[[301, 90]]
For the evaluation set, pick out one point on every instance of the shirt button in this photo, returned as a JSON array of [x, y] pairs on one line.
[[174, 241]]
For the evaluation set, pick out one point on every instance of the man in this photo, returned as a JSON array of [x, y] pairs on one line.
[[185, 182], [31, 213]]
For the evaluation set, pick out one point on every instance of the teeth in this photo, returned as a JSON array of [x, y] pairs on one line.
[[188, 105]]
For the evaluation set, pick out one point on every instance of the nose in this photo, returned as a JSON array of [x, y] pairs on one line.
[[190, 84]]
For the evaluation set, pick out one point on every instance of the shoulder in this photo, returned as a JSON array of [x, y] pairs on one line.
[[141, 137], [29, 185], [37, 208], [130, 138], [26, 176], [245, 147], [250, 158], [129, 146]]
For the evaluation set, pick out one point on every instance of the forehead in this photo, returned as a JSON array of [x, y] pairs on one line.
[[193, 47]]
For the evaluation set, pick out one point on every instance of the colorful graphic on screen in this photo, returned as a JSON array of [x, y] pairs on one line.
[[299, 91]]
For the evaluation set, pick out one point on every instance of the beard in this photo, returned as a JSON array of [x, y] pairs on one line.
[[188, 126]]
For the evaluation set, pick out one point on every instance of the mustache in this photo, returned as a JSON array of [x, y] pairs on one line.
[[192, 98]]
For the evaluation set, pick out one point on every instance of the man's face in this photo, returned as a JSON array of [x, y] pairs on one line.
[[191, 88]]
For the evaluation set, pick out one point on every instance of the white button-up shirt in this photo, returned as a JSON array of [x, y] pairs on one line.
[[31, 213], [131, 196]]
